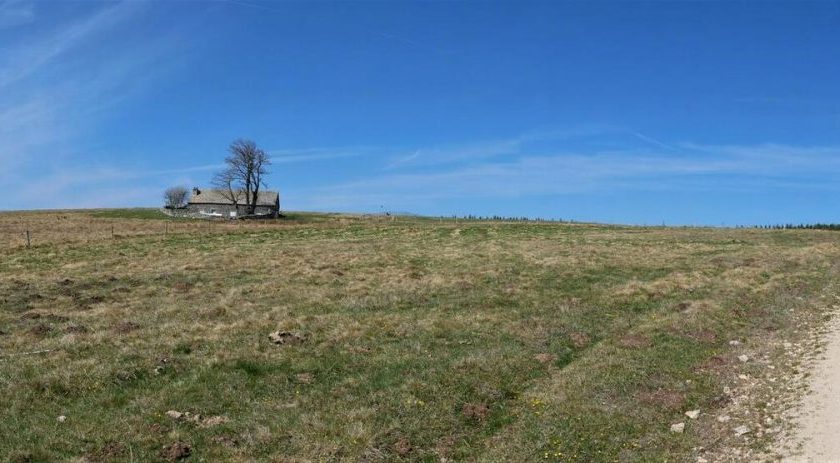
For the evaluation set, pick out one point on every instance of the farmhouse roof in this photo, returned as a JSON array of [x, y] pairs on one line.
[[215, 196]]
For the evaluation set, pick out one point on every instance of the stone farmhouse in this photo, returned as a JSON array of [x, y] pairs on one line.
[[216, 203]]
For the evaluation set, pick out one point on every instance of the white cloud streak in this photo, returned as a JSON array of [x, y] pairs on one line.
[[705, 167]]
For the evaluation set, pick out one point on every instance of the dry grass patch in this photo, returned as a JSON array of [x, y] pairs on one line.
[[394, 340]]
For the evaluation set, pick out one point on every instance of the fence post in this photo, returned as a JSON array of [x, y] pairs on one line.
[[112, 231], [28, 240], [165, 228]]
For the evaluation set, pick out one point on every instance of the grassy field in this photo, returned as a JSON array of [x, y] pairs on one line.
[[411, 340]]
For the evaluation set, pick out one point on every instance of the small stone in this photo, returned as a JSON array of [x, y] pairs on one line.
[[743, 358], [741, 430], [693, 414], [787, 345], [734, 342], [62, 418], [744, 377], [702, 460], [723, 418], [727, 390], [175, 415], [285, 337], [678, 427]]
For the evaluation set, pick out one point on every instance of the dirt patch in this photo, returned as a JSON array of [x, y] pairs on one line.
[[213, 421], [545, 358], [40, 330], [176, 451], [477, 412], [444, 447], [45, 316], [112, 451], [704, 336], [663, 398], [225, 440], [126, 327], [635, 341], [402, 447], [712, 364], [76, 329], [183, 286], [579, 339], [305, 378]]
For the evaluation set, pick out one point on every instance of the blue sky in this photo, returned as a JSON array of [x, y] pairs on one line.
[[634, 112]]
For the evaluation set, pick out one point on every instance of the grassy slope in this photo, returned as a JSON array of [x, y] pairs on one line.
[[486, 342]]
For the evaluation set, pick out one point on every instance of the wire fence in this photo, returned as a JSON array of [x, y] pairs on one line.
[[37, 230]]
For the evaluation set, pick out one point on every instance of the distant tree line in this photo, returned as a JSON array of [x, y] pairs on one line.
[[801, 226], [501, 218]]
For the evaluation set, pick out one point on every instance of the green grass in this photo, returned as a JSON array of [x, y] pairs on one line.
[[423, 339], [133, 213]]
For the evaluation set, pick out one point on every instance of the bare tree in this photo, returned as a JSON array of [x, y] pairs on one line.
[[175, 197], [247, 166], [225, 181]]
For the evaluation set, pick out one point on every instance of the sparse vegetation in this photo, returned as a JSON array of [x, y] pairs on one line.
[[407, 340]]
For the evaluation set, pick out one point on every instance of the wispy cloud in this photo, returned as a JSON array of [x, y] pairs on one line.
[[23, 61], [677, 168], [527, 143], [54, 89], [288, 156]]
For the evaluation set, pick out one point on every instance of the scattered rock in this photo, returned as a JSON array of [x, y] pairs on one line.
[[402, 447], [545, 358], [734, 342], [723, 418], [197, 418], [61, 418], [285, 337], [787, 345], [693, 414], [476, 411], [176, 451], [678, 427], [743, 358], [741, 430]]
